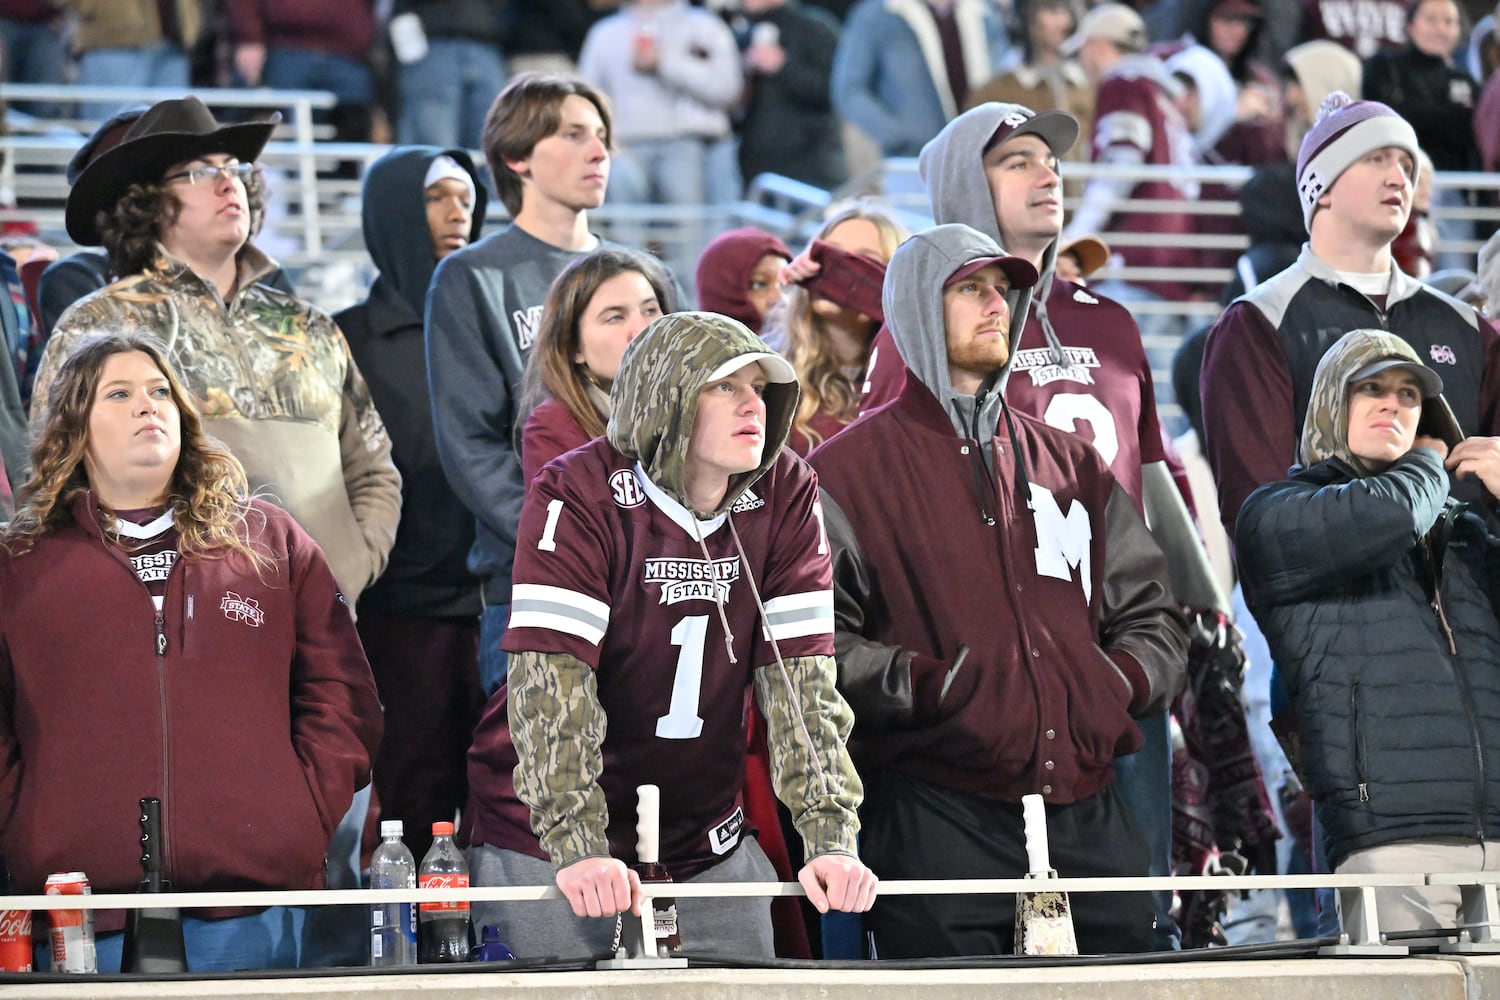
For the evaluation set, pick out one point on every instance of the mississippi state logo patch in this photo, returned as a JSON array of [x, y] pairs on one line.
[[1442, 354], [241, 609]]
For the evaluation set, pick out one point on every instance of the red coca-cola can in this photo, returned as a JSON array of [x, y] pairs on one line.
[[72, 930], [15, 940]]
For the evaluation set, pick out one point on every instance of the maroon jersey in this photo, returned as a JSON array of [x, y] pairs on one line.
[[1104, 395], [610, 569], [1134, 111], [885, 372], [1364, 27]]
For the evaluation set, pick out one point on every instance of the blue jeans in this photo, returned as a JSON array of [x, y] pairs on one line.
[[493, 663], [1144, 781], [33, 53], [161, 65], [298, 69], [446, 94], [339, 935], [271, 939], [685, 171]]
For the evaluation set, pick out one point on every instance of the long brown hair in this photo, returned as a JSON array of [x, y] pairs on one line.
[[803, 335], [207, 493], [551, 370]]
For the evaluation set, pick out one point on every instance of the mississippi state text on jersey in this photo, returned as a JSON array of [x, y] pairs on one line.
[[611, 570]]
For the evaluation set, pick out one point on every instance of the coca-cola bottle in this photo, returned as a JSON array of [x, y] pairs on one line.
[[443, 928], [393, 926]]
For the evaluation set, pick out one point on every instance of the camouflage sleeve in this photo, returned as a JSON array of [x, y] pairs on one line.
[[124, 308], [370, 476], [557, 725], [72, 328], [808, 725]]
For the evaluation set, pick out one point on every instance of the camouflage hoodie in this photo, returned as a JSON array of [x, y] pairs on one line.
[[1325, 432], [661, 374]]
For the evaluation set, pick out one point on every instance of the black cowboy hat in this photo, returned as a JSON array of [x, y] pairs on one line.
[[169, 132]]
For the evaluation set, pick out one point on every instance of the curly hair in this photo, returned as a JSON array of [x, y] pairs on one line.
[[207, 492], [551, 370], [132, 227], [804, 333]]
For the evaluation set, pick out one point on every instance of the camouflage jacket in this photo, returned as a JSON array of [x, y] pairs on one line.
[[274, 381]]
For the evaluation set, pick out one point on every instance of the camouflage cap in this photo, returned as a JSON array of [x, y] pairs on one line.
[[1360, 354]]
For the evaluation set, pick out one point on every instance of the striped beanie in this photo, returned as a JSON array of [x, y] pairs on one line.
[[1346, 130]]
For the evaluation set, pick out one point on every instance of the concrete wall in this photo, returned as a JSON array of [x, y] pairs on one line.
[[1411, 978]]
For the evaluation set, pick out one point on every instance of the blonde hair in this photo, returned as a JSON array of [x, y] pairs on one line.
[[803, 334], [207, 493]]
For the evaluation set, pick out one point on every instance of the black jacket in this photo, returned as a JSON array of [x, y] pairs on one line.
[[789, 126], [470, 20], [1377, 597], [1438, 100], [427, 575]]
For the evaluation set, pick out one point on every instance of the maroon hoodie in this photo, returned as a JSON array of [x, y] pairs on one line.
[[724, 272]]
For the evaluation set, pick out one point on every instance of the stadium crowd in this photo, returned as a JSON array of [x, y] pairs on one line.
[[847, 550]]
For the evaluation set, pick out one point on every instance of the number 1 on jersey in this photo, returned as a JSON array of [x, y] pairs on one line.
[[547, 543], [682, 721]]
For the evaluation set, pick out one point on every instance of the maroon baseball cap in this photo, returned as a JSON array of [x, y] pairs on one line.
[[1058, 129], [1017, 269], [1237, 8]]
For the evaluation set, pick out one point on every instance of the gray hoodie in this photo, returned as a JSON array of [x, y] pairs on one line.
[[952, 169], [913, 301]]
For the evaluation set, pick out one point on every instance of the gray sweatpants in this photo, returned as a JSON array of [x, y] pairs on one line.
[[739, 926]]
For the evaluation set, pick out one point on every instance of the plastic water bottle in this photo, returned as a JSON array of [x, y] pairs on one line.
[[444, 932], [393, 926]]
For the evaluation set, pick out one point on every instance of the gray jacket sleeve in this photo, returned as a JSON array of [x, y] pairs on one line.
[[472, 361], [1193, 582], [887, 686], [1140, 619]]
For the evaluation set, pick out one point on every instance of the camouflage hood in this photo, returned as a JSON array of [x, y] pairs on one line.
[[1325, 431], [655, 396]]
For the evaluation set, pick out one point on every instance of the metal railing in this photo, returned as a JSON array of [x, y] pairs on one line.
[[1362, 936], [298, 107]]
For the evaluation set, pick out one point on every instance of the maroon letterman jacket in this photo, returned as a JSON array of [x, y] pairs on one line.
[[992, 659]]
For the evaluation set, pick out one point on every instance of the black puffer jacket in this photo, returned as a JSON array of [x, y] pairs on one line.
[[1376, 595]]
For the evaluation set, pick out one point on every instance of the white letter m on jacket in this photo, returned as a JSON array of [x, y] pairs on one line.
[[1062, 543]]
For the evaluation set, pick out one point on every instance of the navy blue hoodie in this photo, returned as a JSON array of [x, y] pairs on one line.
[[427, 575]]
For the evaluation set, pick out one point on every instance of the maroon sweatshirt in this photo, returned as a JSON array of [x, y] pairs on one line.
[[246, 706]]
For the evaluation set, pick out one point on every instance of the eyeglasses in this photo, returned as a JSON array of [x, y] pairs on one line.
[[211, 173]]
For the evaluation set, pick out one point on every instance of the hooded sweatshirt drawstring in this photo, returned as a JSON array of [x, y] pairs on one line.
[[786, 677], [718, 595], [1023, 481]]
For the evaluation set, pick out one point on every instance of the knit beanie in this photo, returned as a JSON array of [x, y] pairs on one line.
[[1346, 130], [724, 271], [445, 167]]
